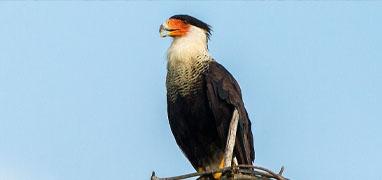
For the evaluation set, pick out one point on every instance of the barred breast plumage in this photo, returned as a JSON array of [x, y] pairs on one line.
[[184, 77]]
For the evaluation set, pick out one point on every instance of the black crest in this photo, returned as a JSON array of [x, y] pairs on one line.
[[193, 21]]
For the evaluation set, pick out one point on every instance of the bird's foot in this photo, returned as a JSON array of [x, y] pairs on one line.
[[201, 169], [219, 174]]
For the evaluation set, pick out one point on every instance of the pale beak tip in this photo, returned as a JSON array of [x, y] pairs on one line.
[[162, 31]]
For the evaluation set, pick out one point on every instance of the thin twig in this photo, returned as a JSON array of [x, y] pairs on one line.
[[281, 170], [263, 169], [190, 175]]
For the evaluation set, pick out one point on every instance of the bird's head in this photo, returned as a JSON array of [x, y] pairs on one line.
[[183, 25]]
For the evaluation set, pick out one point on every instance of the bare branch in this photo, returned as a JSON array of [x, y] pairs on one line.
[[240, 172], [231, 139]]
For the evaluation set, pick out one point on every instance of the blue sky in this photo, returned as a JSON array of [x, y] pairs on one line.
[[82, 92]]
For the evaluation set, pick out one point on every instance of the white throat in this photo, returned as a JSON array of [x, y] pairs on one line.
[[186, 48]]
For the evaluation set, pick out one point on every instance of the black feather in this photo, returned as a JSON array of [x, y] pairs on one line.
[[200, 121]]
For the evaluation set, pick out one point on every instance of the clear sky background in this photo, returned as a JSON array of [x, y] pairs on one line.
[[82, 87]]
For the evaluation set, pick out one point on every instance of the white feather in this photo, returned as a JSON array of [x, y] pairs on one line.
[[187, 59], [184, 49]]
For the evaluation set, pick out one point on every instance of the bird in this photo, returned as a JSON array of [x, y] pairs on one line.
[[201, 97]]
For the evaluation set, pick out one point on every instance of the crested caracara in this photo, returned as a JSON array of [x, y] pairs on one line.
[[201, 98]]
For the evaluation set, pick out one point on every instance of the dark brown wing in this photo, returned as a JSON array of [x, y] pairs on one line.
[[224, 95]]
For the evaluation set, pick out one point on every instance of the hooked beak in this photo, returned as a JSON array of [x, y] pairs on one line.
[[165, 31], [162, 31]]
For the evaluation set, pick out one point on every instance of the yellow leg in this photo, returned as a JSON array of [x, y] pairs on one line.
[[200, 169], [221, 166]]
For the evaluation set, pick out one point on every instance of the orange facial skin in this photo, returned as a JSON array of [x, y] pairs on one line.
[[177, 27]]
